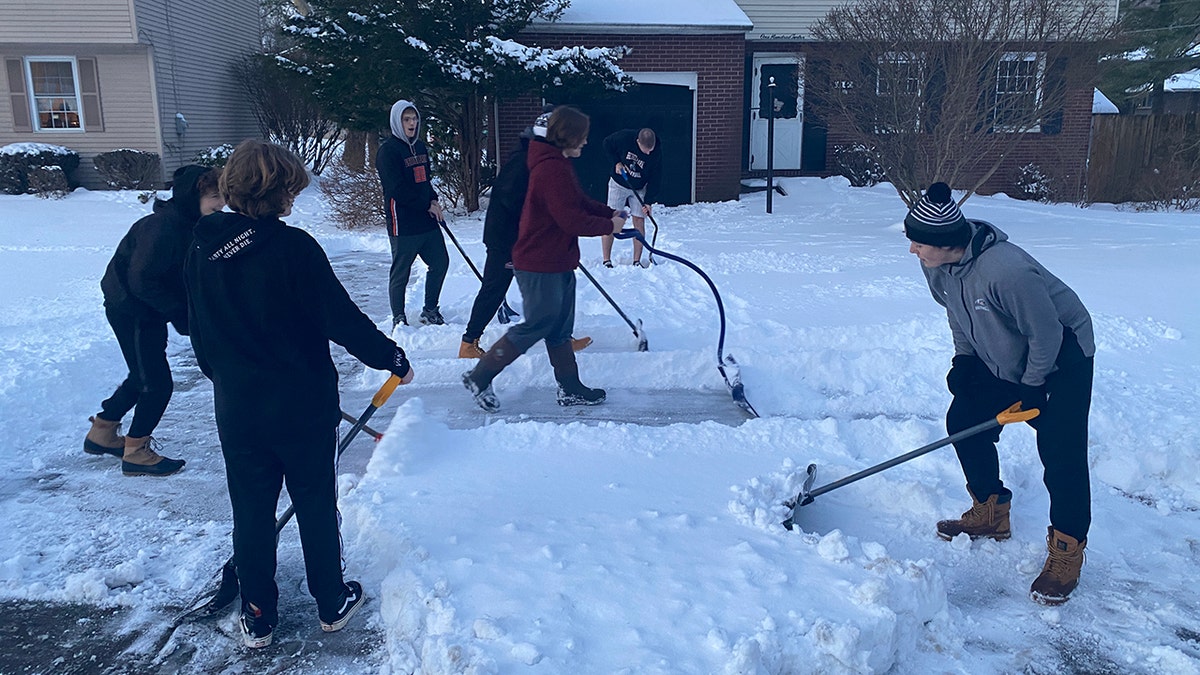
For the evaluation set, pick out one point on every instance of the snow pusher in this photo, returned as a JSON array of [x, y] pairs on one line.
[[210, 602], [505, 314], [726, 364], [639, 333], [1012, 414]]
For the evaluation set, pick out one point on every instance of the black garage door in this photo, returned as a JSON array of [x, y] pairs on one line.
[[666, 109]]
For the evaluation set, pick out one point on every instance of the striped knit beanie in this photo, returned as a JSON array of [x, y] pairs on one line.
[[936, 220]]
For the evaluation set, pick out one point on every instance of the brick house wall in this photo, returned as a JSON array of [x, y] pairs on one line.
[[718, 60]]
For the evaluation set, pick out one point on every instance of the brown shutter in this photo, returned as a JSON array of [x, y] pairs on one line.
[[22, 120], [89, 91]]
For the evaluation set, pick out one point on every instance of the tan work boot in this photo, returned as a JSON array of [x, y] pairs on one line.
[[103, 439], [470, 350], [983, 519], [140, 459], [1060, 574], [580, 344]]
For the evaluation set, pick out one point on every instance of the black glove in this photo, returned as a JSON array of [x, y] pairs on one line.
[[400, 365], [963, 370], [1033, 397]]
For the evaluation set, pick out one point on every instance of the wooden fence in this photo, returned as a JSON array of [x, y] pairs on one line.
[[1143, 157]]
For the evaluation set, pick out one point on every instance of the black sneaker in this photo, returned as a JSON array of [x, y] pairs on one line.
[[432, 317], [580, 396], [256, 631], [484, 398], [352, 598], [608, 264]]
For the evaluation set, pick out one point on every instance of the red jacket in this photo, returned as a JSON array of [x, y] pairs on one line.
[[556, 214]]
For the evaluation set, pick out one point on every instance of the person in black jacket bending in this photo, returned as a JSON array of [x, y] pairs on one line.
[[500, 228], [264, 304], [634, 182], [143, 292], [413, 213]]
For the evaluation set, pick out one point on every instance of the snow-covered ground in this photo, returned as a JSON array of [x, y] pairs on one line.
[[641, 536]]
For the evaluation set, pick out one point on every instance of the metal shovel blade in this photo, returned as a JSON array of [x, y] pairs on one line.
[[802, 499]]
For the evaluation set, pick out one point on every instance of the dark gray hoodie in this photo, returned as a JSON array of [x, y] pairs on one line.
[[1007, 309]]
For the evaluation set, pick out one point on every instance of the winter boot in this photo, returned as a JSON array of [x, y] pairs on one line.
[[103, 439], [570, 390], [470, 350], [256, 630], [478, 381], [580, 344], [984, 519], [352, 598], [1060, 574], [432, 317], [141, 459]]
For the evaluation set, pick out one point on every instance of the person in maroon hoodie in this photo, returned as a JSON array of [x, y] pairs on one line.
[[556, 214]]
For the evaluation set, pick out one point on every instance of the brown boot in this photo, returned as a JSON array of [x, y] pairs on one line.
[[984, 519], [103, 439], [580, 344], [140, 459], [1060, 574], [470, 350], [478, 380]]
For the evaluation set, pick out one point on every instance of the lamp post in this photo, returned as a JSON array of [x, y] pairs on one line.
[[770, 142]]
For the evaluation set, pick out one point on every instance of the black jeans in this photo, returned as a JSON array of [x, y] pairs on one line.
[[256, 466], [497, 277], [405, 249], [148, 386], [1062, 439]]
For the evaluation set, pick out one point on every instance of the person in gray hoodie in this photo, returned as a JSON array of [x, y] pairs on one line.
[[412, 212], [1020, 334]]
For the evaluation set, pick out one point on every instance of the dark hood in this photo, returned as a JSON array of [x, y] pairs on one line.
[[184, 195], [223, 235]]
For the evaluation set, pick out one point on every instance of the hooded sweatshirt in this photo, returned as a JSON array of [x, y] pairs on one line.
[[556, 214], [642, 169], [1008, 310], [503, 220], [264, 305], [404, 170], [145, 276]]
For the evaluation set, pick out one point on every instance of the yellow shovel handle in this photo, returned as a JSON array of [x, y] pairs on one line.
[[1015, 414]]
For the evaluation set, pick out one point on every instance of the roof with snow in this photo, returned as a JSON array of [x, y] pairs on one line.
[[1101, 105], [1189, 81], [640, 16]]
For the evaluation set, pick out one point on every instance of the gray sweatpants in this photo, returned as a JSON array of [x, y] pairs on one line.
[[548, 300]]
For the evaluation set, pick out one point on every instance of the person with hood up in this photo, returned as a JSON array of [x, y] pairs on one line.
[[143, 292], [500, 227], [264, 304], [1020, 334], [557, 212], [413, 214]]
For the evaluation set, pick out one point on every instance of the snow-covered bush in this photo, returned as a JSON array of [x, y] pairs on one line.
[[48, 182], [355, 198], [858, 165], [216, 155], [1032, 184], [128, 169], [18, 159]]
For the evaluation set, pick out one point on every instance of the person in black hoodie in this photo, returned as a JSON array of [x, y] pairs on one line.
[[143, 292], [500, 227], [264, 304], [413, 213], [634, 182]]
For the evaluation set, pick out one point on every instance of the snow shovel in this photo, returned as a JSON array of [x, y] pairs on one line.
[[807, 494], [654, 237], [505, 314], [726, 365], [643, 345], [228, 587]]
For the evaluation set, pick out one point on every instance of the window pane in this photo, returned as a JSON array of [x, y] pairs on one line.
[[52, 77], [57, 112]]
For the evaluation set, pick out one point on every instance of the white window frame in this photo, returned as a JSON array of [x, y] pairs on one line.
[[37, 122], [1039, 80]]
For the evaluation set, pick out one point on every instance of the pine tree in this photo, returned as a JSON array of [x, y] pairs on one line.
[[451, 57], [1158, 39]]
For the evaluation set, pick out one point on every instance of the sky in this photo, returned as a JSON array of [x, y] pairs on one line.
[[642, 535]]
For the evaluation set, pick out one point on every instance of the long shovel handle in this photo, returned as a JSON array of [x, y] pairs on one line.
[[607, 297], [505, 313]]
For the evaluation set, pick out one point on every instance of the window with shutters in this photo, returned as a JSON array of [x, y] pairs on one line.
[[54, 93], [1020, 77]]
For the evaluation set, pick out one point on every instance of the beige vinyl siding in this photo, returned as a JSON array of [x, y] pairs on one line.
[[67, 21], [126, 105], [784, 19], [193, 46]]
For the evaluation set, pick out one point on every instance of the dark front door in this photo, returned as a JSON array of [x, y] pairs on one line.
[[667, 109]]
